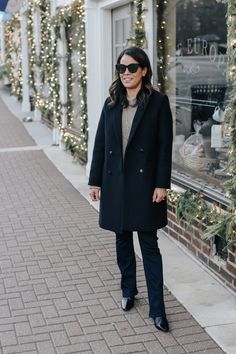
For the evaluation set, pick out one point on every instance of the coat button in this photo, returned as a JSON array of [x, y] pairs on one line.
[[109, 172], [141, 150], [141, 170], [110, 152]]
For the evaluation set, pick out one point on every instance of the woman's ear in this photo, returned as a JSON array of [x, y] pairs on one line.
[[144, 71]]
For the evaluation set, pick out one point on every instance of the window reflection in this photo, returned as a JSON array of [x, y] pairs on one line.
[[198, 87]]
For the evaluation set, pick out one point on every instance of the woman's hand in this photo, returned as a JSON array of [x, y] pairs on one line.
[[159, 195], [94, 193]]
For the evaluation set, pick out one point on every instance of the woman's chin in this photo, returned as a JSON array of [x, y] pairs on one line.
[[129, 86]]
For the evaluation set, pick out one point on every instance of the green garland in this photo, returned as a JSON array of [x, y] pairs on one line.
[[162, 62], [68, 16], [190, 206], [82, 82], [44, 62], [32, 50], [15, 77], [139, 38], [48, 60]]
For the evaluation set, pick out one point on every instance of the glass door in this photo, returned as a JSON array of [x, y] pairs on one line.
[[122, 25]]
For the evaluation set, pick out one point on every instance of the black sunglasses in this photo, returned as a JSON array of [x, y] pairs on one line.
[[121, 68]]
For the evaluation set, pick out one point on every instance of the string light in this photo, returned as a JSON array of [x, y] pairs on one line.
[[162, 46], [139, 37], [14, 56]]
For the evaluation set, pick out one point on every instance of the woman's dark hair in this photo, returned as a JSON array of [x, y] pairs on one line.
[[118, 92]]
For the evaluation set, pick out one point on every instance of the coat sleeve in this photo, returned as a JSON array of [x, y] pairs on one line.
[[95, 176], [164, 145]]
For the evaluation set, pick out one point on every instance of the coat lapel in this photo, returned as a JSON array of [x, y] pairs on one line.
[[137, 118], [117, 124]]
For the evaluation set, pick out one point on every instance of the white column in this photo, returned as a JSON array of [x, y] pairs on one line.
[[62, 53], [55, 130], [25, 60], [37, 71], [99, 65], [149, 29], [93, 53], [2, 39], [53, 7]]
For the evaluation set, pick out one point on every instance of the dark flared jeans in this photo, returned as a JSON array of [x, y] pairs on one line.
[[152, 262]]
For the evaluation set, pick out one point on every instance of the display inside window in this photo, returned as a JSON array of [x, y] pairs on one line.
[[197, 85]]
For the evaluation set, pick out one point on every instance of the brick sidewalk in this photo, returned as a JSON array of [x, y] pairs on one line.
[[12, 131], [59, 283]]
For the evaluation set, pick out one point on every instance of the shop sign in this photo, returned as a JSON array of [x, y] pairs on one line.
[[201, 47]]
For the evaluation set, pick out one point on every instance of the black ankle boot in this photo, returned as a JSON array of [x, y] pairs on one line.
[[161, 323], [127, 303]]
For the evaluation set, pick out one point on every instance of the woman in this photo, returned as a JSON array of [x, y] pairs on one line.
[[130, 172]]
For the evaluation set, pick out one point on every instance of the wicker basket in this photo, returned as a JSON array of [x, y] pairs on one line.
[[196, 161]]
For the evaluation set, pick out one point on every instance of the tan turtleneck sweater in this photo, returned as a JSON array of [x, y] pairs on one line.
[[128, 114]]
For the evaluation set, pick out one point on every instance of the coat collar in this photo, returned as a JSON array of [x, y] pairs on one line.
[[137, 119]]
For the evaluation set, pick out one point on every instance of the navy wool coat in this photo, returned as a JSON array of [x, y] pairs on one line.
[[127, 184]]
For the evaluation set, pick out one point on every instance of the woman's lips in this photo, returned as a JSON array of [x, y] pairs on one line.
[[127, 79]]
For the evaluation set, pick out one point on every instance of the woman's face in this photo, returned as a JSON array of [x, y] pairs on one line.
[[128, 79]]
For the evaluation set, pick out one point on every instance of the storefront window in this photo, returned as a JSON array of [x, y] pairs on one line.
[[196, 40]]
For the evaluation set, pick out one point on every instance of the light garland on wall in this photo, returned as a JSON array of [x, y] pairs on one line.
[[162, 46], [13, 55], [139, 37], [32, 49], [73, 15], [42, 65], [49, 89], [190, 206]]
